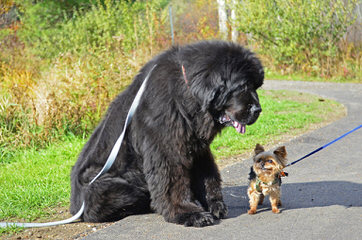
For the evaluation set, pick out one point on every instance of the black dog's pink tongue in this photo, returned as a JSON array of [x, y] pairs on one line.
[[242, 129], [239, 127]]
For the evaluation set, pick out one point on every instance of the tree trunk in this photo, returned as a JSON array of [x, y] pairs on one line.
[[234, 31], [222, 19]]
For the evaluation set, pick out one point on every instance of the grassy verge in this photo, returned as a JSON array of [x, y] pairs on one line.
[[306, 77], [37, 181], [34, 183]]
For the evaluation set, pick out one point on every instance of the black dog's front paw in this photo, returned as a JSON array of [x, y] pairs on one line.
[[195, 219], [219, 209]]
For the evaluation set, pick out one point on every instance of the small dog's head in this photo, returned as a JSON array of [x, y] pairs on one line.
[[270, 163]]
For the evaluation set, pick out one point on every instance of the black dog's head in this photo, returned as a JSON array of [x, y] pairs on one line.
[[225, 79], [241, 108]]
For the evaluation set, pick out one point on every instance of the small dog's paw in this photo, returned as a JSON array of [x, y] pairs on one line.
[[195, 219], [219, 209], [276, 210], [252, 211]]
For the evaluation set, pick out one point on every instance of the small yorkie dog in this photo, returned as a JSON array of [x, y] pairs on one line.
[[265, 177]]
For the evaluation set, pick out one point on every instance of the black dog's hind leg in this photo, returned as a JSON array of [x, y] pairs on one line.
[[110, 198]]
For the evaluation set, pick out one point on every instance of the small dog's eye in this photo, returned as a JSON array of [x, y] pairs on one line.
[[270, 161]]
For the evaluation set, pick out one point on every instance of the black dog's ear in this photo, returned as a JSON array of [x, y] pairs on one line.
[[206, 85], [215, 99], [259, 149], [208, 98], [281, 152], [204, 92]]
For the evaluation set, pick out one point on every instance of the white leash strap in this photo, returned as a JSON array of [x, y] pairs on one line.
[[131, 111], [106, 167]]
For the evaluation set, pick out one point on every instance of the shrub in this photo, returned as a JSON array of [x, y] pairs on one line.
[[300, 35], [195, 21], [51, 28], [62, 79]]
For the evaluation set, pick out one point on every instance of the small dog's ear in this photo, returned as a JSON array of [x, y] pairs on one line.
[[281, 152], [258, 149]]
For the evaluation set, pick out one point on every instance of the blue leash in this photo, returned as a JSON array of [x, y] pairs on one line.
[[111, 158], [323, 147]]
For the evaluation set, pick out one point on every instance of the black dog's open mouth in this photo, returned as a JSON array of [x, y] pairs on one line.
[[226, 120]]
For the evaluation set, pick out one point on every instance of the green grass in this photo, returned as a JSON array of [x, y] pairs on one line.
[[306, 77], [34, 183]]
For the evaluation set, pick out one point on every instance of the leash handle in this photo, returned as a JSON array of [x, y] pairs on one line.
[[324, 146], [111, 158]]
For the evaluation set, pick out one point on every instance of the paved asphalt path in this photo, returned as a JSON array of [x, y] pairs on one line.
[[322, 197]]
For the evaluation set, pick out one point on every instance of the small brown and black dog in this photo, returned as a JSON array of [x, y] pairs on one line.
[[265, 177]]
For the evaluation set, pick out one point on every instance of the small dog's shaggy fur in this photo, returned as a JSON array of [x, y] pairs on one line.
[[165, 163], [265, 177]]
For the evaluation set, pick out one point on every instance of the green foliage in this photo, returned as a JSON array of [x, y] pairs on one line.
[[77, 56], [12, 117], [43, 19], [302, 34], [52, 28], [5, 33]]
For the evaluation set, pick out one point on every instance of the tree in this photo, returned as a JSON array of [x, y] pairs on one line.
[[222, 19], [234, 30]]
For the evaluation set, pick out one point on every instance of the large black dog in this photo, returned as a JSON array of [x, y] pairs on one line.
[[165, 163]]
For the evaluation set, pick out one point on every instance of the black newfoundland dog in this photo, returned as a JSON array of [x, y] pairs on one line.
[[165, 163]]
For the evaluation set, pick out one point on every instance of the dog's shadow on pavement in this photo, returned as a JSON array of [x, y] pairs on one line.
[[299, 195]]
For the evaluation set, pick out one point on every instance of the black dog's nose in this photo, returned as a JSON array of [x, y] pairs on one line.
[[255, 109]]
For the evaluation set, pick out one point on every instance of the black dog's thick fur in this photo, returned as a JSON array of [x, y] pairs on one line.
[[165, 163]]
